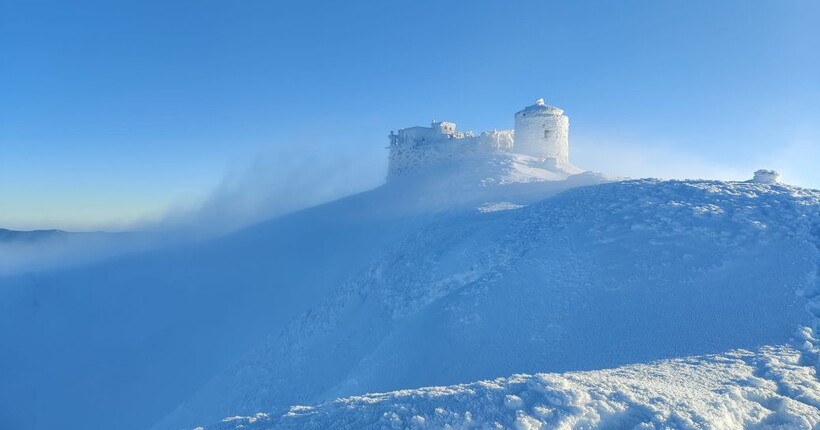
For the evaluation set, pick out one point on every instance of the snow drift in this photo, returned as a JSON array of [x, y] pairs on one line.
[[768, 388]]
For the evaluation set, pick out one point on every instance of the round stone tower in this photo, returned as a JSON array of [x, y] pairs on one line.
[[543, 131]]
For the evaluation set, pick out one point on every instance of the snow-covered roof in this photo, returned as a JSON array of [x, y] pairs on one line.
[[539, 108]]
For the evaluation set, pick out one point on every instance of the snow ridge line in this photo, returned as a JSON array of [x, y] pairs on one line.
[[716, 391]]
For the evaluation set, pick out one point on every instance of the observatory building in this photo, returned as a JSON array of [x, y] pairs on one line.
[[541, 131]]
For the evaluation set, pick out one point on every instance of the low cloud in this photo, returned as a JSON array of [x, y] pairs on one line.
[[31, 251], [274, 182]]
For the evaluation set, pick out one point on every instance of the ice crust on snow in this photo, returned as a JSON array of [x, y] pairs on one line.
[[498, 206]]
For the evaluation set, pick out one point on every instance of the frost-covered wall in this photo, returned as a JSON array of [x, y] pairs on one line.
[[543, 132], [540, 131], [416, 148], [406, 159], [763, 176]]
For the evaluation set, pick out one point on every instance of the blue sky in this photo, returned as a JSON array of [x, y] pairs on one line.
[[112, 112]]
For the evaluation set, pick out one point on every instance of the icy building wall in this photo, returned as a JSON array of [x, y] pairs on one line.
[[543, 131], [417, 148], [408, 159]]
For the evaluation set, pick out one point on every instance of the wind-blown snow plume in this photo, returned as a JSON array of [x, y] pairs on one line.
[[274, 182]]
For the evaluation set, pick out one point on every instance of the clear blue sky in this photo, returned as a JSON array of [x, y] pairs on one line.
[[113, 110]]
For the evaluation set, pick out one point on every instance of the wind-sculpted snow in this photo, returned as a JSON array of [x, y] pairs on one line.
[[768, 388], [594, 278], [120, 343]]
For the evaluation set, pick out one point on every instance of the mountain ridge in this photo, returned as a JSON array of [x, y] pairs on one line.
[[143, 327], [735, 261]]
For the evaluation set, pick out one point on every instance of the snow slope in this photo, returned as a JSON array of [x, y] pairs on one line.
[[489, 268], [767, 388], [596, 277], [120, 343]]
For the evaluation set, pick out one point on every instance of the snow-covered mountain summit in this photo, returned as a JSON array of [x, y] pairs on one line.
[[471, 269], [596, 277], [92, 341]]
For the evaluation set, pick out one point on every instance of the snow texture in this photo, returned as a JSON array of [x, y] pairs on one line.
[[767, 388], [596, 277]]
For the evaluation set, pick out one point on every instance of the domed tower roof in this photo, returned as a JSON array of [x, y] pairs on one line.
[[539, 108]]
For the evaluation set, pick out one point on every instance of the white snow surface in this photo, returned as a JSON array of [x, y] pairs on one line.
[[489, 268], [597, 277], [767, 388], [120, 343]]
